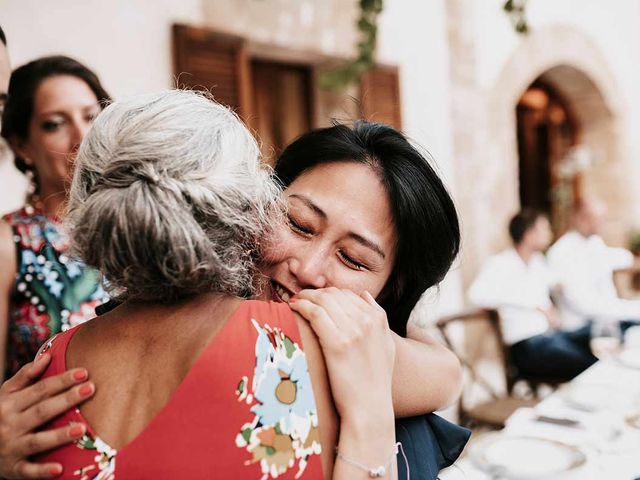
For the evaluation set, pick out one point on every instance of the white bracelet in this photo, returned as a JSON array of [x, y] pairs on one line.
[[375, 472]]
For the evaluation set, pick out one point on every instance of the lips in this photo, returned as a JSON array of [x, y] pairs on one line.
[[280, 293]]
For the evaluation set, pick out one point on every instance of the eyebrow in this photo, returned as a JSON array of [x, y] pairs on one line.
[[354, 236], [62, 112], [310, 204]]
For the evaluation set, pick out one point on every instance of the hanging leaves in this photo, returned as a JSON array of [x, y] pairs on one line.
[[337, 80], [515, 10]]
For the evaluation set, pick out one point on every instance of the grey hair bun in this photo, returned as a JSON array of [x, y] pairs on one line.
[[169, 198]]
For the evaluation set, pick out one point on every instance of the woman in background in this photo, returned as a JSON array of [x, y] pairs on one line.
[[50, 105]]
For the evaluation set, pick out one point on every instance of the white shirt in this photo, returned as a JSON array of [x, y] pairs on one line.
[[584, 267], [517, 289]]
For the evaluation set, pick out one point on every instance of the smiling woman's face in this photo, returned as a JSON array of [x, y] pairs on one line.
[[339, 233]]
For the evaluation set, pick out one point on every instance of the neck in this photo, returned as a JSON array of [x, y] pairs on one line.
[[130, 310], [51, 201], [524, 252]]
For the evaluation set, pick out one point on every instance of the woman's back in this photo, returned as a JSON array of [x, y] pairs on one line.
[[229, 395]]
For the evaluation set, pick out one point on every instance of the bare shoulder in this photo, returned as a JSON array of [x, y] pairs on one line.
[[327, 416], [7, 255]]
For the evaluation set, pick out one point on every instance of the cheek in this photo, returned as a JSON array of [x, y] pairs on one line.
[[276, 249], [52, 149], [357, 282], [376, 286]]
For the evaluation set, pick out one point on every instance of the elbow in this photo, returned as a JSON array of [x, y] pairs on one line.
[[455, 378]]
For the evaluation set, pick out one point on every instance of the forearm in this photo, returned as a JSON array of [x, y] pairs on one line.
[[426, 376]]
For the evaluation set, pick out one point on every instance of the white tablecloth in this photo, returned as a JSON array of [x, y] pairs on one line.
[[600, 399]]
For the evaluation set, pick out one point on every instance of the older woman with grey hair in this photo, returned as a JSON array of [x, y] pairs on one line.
[[169, 201]]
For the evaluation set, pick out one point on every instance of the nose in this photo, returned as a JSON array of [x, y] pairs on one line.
[[309, 268], [80, 128]]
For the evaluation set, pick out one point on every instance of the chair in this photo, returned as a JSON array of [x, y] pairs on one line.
[[627, 282], [499, 406]]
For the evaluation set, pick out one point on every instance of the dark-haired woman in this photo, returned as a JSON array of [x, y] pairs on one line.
[[366, 213], [50, 104]]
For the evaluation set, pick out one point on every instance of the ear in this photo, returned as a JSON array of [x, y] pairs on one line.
[[21, 148]]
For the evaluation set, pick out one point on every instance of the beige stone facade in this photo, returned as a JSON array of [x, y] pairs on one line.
[[462, 70], [486, 151]]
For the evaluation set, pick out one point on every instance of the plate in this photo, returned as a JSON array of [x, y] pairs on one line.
[[524, 458], [629, 357], [593, 397]]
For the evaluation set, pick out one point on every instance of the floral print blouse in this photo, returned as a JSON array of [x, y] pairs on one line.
[[51, 292], [246, 409]]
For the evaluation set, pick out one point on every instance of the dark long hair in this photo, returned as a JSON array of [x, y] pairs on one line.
[[23, 85], [425, 218]]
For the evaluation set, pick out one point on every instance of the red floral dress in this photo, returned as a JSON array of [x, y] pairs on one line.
[[245, 410], [52, 292]]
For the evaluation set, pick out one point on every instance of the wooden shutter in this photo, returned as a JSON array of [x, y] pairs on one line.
[[380, 96], [219, 63]]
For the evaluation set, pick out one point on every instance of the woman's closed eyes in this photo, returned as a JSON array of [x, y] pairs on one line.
[[298, 227], [301, 228]]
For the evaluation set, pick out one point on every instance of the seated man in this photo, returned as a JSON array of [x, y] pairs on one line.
[[518, 283], [584, 266]]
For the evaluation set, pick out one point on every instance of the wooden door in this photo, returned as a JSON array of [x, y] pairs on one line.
[[218, 63], [546, 132], [380, 96], [282, 101]]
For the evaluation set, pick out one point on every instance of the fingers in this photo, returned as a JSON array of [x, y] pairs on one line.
[[369, 298], [42, 441], [25, 469], [353, 314], [333, 295], [48, 387], [50, 408], [318, 318], [332, 300], [27, 374]]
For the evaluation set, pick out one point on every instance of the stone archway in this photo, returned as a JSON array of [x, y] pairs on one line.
[[566, 59]]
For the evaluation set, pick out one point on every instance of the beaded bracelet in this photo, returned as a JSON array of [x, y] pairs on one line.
[[375, 472]]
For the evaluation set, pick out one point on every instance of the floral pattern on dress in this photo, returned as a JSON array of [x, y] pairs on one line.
[[284, 431], [52, 292], [104, 465]]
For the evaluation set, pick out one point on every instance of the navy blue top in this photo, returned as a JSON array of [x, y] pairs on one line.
[[430, 443]]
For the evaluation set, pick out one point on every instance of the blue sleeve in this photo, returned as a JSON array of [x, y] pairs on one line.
[[430, 443]]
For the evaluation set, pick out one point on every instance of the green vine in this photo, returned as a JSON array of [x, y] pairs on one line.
[[515, 10], [337, 80]]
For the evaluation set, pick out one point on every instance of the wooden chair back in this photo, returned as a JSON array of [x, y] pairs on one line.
[[500, 404]]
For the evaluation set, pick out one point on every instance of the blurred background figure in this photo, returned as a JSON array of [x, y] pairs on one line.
[[518, 282], [584, 265], [50, 104]]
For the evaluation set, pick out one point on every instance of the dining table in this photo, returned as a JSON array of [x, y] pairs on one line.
[[588, 428]]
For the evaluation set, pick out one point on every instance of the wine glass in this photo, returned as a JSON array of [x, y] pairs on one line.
[[606, 338]]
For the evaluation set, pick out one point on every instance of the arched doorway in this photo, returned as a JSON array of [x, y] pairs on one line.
[[577, 72], [547, 130]]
